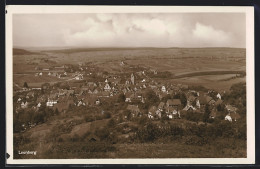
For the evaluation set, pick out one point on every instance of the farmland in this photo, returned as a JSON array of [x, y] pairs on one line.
[[185, 63]]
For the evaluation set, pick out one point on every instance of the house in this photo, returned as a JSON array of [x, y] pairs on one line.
[[128, 97], [189, 108], [232, 116], [69, 92], [228, 118], [136, 97], [172, 112], [97, 102], [61, 75], [42, 98], [134, 110], [152, 112], [161, 106], [115, 81], [173, 103], [39, 105], [79, 77], [96, 91], [191, 99], [107, 87], [91, 100], [122, 63], [231, 108], [81, 103], [24, 105], [55, 74], [51, 102], [172, 108], [210, 100], [219, 96], [18, 100]]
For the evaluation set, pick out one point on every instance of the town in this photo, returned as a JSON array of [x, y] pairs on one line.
[[130, 99]]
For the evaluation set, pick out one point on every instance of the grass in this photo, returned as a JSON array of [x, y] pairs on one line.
[[180, 150], [220, 148]]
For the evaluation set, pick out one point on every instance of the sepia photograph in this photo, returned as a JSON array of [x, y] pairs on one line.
[[122, 84]]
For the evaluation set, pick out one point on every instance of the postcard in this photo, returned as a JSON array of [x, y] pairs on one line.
[[130, 85]]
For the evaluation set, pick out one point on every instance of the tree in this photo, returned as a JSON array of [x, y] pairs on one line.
[[127, 114], [182, 97], [45, 86], [64, 86], [151, 97], [25, 85], [206, 114], [56, 111], [107, 115], [121, 98], [167, 97], [220, 107], [111, 123]]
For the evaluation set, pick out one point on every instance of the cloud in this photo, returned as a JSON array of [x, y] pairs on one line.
[[215, 37], [129, 30]]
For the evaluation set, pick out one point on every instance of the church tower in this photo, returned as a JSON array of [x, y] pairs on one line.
[[132, 79]]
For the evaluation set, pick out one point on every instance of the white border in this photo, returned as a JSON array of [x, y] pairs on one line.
[[27, 9]]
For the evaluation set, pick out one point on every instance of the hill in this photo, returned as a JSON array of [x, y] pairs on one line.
[[17, 51]]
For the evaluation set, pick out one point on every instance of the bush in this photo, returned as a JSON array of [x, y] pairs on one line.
[[89, 118], [192, 116], [148, 133], [107, 115], [102, 133], [60, 139], [111, 123], [176, 130]]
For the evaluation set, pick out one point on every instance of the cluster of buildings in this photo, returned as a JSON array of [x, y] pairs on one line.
[[133, 87]]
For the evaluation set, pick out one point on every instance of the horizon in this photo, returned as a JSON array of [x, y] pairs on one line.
[[112, 47]]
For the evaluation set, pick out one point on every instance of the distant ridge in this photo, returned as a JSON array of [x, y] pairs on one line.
[[17, 51], [76, 50]]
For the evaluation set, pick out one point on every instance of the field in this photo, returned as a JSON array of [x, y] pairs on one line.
[[179, 61]]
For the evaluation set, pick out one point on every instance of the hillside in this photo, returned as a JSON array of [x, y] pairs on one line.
[[17, 51]]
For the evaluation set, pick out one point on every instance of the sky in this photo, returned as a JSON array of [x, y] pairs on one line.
[[130, 30]]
